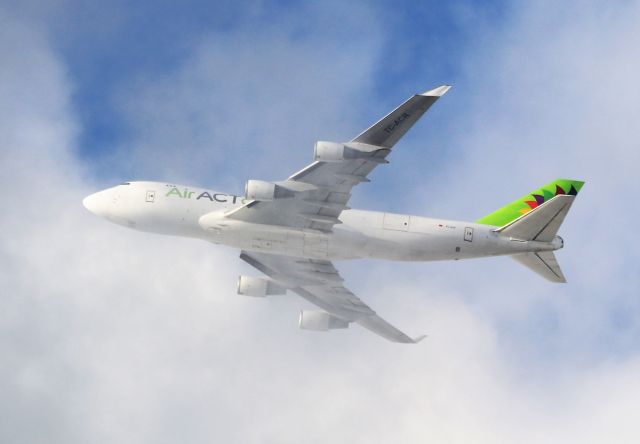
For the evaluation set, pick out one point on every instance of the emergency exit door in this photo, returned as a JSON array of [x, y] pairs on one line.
[[468, 234]]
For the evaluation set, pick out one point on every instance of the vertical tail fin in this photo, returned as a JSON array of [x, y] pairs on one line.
[[537, 217], [542, 223], [528, 202]]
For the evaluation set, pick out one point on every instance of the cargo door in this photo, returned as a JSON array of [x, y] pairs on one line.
[[468, 234]]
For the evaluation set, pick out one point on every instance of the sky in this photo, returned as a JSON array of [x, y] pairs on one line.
[[110, 335]]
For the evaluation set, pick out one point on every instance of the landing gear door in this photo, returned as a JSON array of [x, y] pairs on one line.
[[468, 234]]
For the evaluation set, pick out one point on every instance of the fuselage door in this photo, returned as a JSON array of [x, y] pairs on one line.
[[151, 196], [468, 234]]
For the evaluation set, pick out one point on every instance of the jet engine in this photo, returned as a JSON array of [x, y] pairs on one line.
[[258, 287], [336, 152], [265, 191], [320, 321]]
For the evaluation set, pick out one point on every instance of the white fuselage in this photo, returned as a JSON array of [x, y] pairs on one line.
[[193, 212]]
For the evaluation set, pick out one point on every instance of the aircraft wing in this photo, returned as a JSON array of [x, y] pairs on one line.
[[322, 189], [320, 283]]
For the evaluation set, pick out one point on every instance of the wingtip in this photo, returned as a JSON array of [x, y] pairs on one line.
[[419, 338], [437, 92]]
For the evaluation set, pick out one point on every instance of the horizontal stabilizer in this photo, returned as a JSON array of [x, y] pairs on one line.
[[544, 263], [542, 223]]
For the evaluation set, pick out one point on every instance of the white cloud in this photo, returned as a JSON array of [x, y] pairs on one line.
[[558, 100], [108, 335]]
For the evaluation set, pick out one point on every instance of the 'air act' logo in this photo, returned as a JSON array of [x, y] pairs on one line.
[[186, 193]]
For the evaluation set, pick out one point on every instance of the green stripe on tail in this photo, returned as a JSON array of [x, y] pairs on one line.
[[529, 201]]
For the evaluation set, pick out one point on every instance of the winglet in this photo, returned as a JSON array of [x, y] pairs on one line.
[[437, 92]]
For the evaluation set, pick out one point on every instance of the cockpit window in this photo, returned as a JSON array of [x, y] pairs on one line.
[[126, 183]]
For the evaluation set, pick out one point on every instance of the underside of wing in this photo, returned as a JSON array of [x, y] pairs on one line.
[[314, 197], [319, 282]]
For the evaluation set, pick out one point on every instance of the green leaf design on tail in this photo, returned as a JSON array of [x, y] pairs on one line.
[[528, 202]]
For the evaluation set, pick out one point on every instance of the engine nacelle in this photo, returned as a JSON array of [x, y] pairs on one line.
[[320, 321], [258, 287], [335, 152], [328, 151], [260, 190], [265, 191]]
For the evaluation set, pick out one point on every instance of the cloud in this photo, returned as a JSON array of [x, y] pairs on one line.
[[556, 101], [109, 335]]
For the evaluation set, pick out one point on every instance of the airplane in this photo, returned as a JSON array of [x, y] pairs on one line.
[[293, 230]]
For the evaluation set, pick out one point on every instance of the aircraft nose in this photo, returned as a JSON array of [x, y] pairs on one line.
[[94, 203]]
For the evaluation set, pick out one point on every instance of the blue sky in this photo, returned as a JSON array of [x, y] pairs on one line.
[[106, 46], [109, 335]]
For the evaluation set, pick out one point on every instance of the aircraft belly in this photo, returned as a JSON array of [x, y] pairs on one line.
[[345, 241], [269, 239]]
